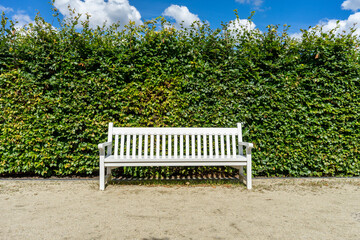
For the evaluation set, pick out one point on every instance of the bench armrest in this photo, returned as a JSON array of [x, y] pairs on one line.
[[102, 148], [246, 144], [105, 144]]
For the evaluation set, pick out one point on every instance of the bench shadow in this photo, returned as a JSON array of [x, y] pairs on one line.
[[154, 238], [180, 180]]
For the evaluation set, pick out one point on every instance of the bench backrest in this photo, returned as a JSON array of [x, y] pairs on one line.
[[175, 142]]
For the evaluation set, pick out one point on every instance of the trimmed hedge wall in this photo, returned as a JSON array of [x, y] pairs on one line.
[[59, 89]]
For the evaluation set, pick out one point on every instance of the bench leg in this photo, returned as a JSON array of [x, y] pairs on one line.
[[241, 172], [108, 173], [248, 175], [102, 175]]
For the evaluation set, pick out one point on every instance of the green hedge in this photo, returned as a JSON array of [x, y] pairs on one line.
[[59, 89]]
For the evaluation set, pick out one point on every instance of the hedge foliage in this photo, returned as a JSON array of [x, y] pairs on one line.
[[60, 87]]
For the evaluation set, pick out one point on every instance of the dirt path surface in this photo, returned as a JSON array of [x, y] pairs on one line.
[[274, 209]]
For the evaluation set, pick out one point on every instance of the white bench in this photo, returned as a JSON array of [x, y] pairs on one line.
[[174, 147]]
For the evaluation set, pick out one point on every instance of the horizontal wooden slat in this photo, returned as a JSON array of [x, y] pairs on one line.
[[172, 164], [175, 131], [112, 158]]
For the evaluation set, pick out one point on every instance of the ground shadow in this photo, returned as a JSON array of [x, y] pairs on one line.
[[154, 238], [180, 180]]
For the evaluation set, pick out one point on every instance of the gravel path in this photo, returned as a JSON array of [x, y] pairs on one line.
[[274, 209]]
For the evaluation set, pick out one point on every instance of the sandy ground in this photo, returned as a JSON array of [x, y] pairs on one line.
[[274, 209]]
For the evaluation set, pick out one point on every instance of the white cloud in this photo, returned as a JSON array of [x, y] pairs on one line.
[[340, 25], [257, 3], [351, 5], [100, 11], [241, 25], [297, 35], [5, 9], [21, 18], [343, 25], [181, 14]]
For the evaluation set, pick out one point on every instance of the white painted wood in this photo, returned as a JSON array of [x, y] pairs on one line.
[[228, 144], [205, 151], [205, 146], [234, 144], [248, 168], [157, 146], [140, 146], [122, 143], [216, 146], [102, 172], [169, 146], [107, 173], [152, 146], [163, 145], [173, 159], [110, 132], [133, 150], [193, 146], [146, 147], [110, 137], [128, 139], [222, 146], [199, 146], [246, 144], [181, 146], [239, 132], [187, 146], [174, 131], [210, 146], [173, 164], [102, 164], [103, 145], [116, 145], [175, 146]]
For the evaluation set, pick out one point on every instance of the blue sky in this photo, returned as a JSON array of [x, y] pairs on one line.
[[298, 14]]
